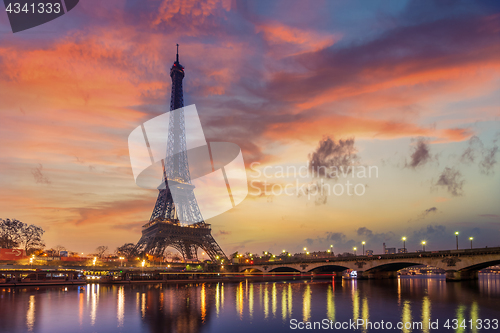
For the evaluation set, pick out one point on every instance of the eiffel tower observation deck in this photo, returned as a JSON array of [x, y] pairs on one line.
[[178, 224]]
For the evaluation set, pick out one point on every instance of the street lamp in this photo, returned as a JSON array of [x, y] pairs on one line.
[[305, 249], [143, 264], [363, 242], [471, 238], [355, 251], [423, 246], [121, 261], [404, 244], [456, 234]]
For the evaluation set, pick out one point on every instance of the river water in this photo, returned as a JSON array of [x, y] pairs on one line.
[[257, 307]]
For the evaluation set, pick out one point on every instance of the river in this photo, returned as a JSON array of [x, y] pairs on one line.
[[257, 307]]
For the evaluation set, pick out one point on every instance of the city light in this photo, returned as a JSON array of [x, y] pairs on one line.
[[305, 249]]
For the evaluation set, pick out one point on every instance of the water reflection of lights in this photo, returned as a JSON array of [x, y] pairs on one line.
[[222, 296], [94, 295], [409, 301], [274, 299], [365, 312], [355, 303], [121, 305], [461, 318], [266, 302], [80, 305], [399, 290], [217, 299], [250, 301], [137, 301], [306, 308], [474, 315], [406, 316], [203, 303], [283, 303], [30, 314], [330, 303], [426, 313], [143, 304], [239, 299]]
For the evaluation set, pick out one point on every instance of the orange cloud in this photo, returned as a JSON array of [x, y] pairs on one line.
[[301, 40]]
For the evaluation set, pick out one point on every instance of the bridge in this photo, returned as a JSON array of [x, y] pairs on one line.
[[458, 264]]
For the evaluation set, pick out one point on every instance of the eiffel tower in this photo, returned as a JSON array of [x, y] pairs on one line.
[[177, 224]]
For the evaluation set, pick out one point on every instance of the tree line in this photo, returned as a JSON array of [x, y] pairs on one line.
[[17, 234]]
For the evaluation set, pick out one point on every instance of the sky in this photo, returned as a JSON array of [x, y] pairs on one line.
[[407, 89]]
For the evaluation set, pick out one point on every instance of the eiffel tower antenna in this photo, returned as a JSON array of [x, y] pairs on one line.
[[177, 56]]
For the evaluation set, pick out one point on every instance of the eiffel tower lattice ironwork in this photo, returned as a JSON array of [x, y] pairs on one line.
[[178, 224]]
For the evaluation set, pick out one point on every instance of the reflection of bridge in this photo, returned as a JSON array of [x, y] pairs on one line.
[[458, 264]]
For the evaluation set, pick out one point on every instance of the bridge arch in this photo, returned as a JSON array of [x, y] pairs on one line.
[[328, 268], [480, 266], [284, 269], [251, 270], [393, 267]]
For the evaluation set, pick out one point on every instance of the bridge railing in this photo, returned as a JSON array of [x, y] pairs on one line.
[[409, 255]]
